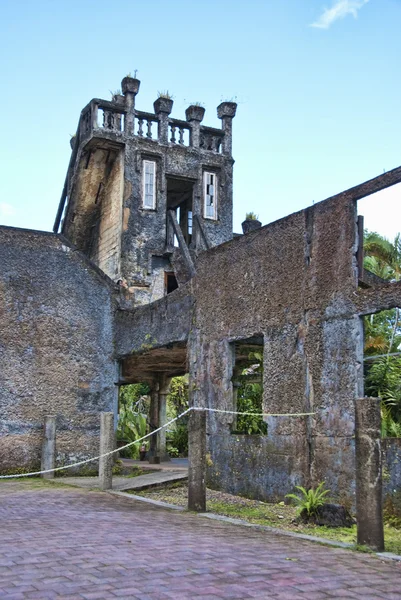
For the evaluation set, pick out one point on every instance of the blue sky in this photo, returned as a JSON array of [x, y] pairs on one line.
[[317, 84]]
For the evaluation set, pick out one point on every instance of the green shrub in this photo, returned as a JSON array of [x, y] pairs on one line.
[[309, 500], [251, 216], [178, 439]]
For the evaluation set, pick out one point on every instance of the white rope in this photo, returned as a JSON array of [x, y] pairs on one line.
[[233, 412], [88, 460], [196, 408]]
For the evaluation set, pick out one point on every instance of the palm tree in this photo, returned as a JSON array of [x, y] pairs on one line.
[[382, 257], [383, 334]]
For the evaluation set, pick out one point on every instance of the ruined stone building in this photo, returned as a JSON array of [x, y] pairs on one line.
[[143, 280]]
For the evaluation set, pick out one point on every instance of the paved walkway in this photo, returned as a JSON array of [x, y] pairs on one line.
[[130, 483], [72, 543], [175, 464]]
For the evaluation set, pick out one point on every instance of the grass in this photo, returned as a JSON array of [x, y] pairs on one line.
[[280, 516]]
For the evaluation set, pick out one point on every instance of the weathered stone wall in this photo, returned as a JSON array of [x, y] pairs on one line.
[[107, 254], [95, 213], [391, 448], [291, 282], [155, 325], [56, 345], [144, 231]]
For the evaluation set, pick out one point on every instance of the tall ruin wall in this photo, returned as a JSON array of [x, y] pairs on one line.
[[291, 282], [56, 345]]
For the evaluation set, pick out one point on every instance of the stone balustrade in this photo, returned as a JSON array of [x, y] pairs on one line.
[[120, 117]]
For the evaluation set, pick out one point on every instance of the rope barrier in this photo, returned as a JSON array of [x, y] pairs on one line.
[[191, 408], [233, 412]]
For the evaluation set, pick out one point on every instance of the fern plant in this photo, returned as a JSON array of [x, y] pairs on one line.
[[309, 500], [251, 216]]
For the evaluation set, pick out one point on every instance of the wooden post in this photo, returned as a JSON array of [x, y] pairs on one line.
[[369, 510], [197, 461], [153, 454], [164, 384], [49, 447], [360, 252], [106, 445]]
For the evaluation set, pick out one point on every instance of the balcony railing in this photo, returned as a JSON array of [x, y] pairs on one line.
[[112, 117]]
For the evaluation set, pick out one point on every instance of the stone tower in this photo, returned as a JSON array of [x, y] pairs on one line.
[[145, 193]]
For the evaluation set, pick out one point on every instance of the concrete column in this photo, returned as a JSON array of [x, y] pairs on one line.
[[129, 115], [226, 112], [194, 115], [153, 454], [162, 402], [369, 510], [197, 461], [49, 447], [107, 444], [163, 107], [130, 88]]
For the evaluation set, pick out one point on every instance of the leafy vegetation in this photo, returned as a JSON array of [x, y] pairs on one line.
[[249, 400], [308, 501], [383, 335], [165, 94], [250, 397], [132, 421], [273, 515], [251, 216], [177, 403]]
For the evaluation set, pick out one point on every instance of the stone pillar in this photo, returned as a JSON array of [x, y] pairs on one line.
[[153, 454], [49, 447], [194, 115], [226, 112], [162, 402], [369, 510], [130, 88], [197, 461], [107, 444], [163, 107]]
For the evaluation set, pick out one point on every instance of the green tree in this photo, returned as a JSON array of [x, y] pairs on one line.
[[250, 397], [133, 416], [383, 334], [177, 403], [382, 257]]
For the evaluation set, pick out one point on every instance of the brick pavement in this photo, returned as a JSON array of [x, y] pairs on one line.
[[73, 543], [131, 483]]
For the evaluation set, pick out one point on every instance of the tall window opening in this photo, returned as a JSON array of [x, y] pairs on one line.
[[210, 195], [149, 184], [379, 251], [179, 199], [248, 386], [382, 366]]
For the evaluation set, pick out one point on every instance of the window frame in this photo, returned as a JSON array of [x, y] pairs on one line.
[[215, 196], [145, 162]]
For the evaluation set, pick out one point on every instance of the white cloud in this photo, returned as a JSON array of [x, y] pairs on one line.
[[6, 210], [339, 10]]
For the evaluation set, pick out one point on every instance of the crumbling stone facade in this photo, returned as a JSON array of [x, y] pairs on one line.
[[136, 186], [153, 213], [56, 348]]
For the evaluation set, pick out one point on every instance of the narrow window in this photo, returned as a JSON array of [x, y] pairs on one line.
[[149, 184], [247, 384], [170, 281], [210, 195]]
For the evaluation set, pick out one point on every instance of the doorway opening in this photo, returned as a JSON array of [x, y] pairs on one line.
[[179, 199], [170, 282]]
